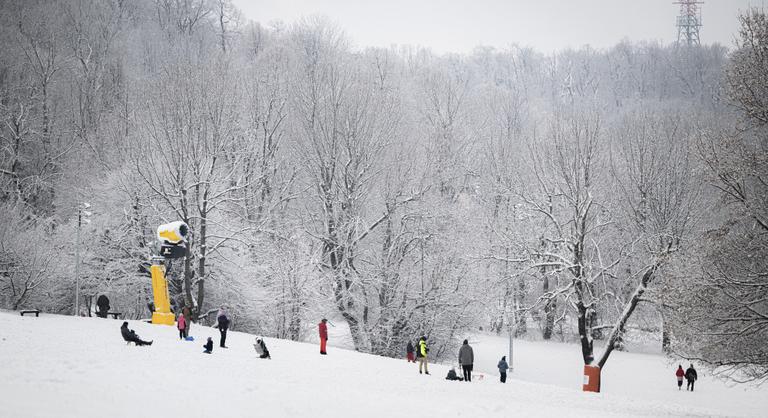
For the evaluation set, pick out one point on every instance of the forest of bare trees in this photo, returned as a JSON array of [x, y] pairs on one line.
[[593, 196]]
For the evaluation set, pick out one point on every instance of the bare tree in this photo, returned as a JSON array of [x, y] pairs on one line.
[[191, 157], [25, 264], [346, 116]]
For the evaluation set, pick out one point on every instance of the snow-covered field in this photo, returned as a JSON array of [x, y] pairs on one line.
[[57, 366]]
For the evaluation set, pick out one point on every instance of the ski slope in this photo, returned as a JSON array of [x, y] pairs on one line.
[[59, 366]]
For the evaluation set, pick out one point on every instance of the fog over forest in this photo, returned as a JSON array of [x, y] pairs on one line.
[[614, 197]]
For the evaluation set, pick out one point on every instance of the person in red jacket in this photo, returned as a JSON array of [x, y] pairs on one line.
[[181, 324], [680, 374], [323, 335]]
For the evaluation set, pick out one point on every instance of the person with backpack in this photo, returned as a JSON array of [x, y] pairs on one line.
[[261, 348], [130, 335], [223, 325], [691, 376], [181, 324], [503, 367], [423, 350], [466, 360], [208, 346], [322, 329], [409, 352], [680, 374]]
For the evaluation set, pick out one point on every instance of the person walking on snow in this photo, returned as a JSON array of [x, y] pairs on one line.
[[223, 325], [691, 377], [181, 324], [466, 359], [322, 328], [409, 352], [208, 346], [503, 366], [423, 350], [680, 374]]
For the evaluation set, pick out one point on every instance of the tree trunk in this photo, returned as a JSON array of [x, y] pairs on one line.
[[665, 337], [584, 335], [618, 329]]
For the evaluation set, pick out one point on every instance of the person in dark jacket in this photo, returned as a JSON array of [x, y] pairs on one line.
[[103, 304], [503, 366], [466, 360], [261, 348], [208, 346], [409, 352], [691, 376], [130, 335], [680, 374], [452, 375], [223, 325]]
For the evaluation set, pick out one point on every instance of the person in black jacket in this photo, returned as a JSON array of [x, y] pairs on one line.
[[130, 335], [103, 306], [691, 376], [208, 346], [409, 352], [223, 325]]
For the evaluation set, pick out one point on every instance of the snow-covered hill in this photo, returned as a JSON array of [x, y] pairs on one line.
[[58, 366]]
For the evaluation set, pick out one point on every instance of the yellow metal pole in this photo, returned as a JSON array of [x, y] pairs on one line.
[[162, 314]]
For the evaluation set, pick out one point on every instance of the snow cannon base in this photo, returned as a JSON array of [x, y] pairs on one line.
[[163, 318]]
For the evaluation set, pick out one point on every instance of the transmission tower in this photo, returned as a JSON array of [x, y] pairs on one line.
[[689, 22]]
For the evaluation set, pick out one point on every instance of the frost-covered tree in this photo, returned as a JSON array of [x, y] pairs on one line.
[[724, 321]]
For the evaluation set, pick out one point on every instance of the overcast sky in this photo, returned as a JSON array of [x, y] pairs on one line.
[[547, 25]]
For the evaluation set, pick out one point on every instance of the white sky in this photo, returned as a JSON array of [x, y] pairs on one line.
[[546, 25]]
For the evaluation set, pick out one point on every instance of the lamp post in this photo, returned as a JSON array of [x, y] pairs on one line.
[[83, 215], [512, 326]]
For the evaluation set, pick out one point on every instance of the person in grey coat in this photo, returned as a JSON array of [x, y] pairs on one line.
[[466, 359], [503, 366]]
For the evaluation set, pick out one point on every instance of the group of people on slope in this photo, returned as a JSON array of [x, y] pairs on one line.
[[418, 354], [222, 324], [690, 375], [467, 361], [183, 325]]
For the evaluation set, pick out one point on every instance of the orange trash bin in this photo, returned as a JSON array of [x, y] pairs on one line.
[[591, 378]]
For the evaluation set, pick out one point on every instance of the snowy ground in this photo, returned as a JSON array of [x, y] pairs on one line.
[[57, 366], [643, 377]]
